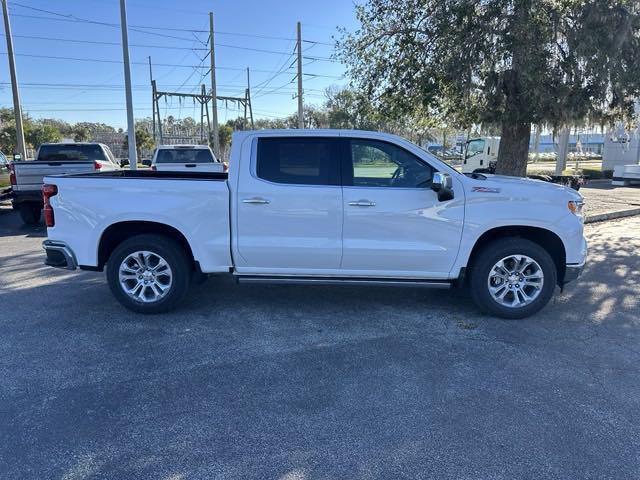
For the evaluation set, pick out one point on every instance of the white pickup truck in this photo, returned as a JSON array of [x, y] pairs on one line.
[[319, 207], [184, 158]]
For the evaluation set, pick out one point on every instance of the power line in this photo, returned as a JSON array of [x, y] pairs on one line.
[[108, 24], [144, 28], [96, 42], [171, 47], [102, 60]]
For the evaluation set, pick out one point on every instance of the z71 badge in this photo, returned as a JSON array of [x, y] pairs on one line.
[[485, 190]]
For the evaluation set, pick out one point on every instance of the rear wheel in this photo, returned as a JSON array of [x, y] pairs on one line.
[[30, 213], [512, 278], [149, 273]]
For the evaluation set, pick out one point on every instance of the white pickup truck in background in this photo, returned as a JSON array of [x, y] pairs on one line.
[[179, 158], [54, 159], [319, 207]]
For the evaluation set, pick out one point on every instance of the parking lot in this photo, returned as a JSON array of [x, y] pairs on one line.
[[284, 382]]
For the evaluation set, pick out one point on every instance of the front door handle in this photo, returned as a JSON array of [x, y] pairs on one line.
[[255, 201], [362, 203]]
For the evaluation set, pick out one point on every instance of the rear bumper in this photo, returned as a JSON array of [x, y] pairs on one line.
[[59, 255]]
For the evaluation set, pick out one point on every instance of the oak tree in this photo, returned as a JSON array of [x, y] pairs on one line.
[[505, 63]]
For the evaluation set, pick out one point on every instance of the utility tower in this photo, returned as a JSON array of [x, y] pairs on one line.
[[17, 109], [204, 99], [300, 99], [212, 56]]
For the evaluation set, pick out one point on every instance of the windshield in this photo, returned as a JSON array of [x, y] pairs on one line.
[[186, 155], [475, 147]]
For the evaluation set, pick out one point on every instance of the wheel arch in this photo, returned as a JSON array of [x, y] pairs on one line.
[[118, 232], [545, 238]]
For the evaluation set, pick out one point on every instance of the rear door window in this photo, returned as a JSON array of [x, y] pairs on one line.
[[299, 161], [185, 155], [66, 153]]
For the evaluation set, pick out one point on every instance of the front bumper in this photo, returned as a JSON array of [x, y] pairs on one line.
[[59, 255], [572, 272]]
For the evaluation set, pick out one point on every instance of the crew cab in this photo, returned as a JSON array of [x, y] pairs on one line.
[[319, 207], [176, 158], [54, 158]]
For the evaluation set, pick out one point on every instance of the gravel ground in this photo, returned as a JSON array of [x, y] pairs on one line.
[[277, 382]]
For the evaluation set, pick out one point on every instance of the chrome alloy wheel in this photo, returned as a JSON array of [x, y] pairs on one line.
[[145, 276], [515, 281]]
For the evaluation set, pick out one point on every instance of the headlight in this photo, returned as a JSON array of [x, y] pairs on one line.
[[575, 207]]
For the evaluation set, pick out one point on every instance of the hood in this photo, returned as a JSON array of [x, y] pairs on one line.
[[502, 184]]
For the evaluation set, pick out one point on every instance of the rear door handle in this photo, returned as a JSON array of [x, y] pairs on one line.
[[362, 203], [256, 201]]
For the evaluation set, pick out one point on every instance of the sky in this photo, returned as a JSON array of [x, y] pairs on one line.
[[87, 83]]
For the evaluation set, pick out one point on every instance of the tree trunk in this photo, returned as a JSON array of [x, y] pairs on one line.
[[536, 144], [514, 149], [563, 150]]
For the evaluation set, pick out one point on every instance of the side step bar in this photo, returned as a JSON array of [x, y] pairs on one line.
[[299, 280]]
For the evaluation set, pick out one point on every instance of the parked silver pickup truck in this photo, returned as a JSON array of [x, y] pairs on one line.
[[54, 159]]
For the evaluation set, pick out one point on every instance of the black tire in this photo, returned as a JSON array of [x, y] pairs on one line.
[[30, 213], [167, 248], [492, 253]]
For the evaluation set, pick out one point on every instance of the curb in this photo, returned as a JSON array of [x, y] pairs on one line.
[[602, 217]]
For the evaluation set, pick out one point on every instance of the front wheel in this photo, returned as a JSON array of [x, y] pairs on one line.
[[149, 273], [512, 278]]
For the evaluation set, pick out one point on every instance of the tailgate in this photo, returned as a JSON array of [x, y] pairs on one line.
[[212, 167], [30, 174]]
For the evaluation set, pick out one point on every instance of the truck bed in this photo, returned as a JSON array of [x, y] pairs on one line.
[[195, 204]]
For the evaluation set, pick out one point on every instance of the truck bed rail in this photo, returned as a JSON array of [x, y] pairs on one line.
[[150, 175]]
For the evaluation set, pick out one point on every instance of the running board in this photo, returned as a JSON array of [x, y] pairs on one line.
[[384, 282]]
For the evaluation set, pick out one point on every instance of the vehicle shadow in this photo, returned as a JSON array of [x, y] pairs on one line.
[[11, 225]]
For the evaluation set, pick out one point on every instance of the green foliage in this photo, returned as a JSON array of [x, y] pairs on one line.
[[498, 62], [38, 133], [224, 136], [144, 140]]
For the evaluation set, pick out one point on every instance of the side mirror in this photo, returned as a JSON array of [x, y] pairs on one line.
[[442, 184], [124, 162], [146, 162]]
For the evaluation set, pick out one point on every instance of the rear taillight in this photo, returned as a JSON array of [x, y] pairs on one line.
[[12, 174], [97, 165], [48, 191], [225, 167]]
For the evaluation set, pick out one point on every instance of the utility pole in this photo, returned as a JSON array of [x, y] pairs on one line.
[[249, 98], [17, 109], [153, 101], [214, 116], [300, 103], [131, 127]]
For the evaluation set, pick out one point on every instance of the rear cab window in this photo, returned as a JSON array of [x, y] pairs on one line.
[[185, 155], [67, 153], [299, 160]]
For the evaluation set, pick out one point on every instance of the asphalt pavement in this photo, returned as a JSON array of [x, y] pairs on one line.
[[284, 382]]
